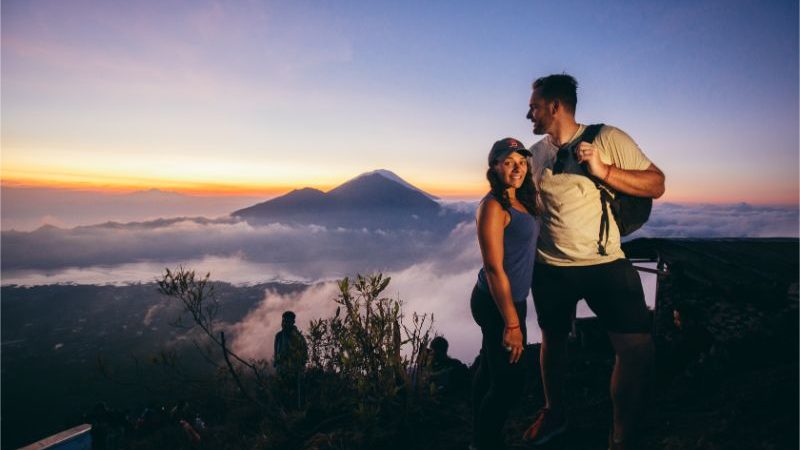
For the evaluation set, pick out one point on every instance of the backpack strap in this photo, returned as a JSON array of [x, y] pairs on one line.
[[589, 135], [591, 132]]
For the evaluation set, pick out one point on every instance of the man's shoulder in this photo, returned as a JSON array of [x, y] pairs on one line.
[[541, 144], [610, 133], [455, 362], [543, 150], [621, 149]]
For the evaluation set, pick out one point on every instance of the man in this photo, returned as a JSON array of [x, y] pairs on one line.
[[571, 263], [448, 376], [291, 352], [291, 355]]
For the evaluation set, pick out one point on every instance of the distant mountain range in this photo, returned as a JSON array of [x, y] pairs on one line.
[[373, 200], [27, 208]]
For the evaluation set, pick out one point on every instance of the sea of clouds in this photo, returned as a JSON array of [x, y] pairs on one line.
[[431, 273], [312, 252], [672, 220]]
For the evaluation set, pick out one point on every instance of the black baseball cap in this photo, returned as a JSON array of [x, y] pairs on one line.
[[504, 147]]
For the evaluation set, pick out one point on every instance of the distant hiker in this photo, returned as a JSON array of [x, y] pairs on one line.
[[291, 355], [291, 352], [573, 263], [507, 232], [448, 376]]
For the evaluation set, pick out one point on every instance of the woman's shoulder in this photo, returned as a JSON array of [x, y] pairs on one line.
[[491, 207], [489, 201]]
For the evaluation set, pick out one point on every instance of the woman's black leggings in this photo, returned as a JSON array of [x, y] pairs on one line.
[[497, 383]]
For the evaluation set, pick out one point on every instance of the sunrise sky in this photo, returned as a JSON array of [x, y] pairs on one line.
[[259, 97]]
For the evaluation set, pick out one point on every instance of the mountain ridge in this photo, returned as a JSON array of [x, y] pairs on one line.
[[376, 199]]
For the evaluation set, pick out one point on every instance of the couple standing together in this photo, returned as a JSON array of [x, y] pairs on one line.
[[538, 228]]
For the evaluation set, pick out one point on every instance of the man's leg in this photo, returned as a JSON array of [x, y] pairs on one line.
[[551, 420], [554, 298], [632, 372], [616, 297], [553, 362]]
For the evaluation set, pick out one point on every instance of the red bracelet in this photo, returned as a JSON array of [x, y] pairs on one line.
[[512, 328], [605, 179]]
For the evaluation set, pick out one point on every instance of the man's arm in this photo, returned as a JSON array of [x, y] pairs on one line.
[[641, 183]]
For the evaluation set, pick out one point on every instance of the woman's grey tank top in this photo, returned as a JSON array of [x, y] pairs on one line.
[[519, 253]]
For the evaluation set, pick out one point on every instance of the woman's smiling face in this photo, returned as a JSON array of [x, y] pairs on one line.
[[512, 170]]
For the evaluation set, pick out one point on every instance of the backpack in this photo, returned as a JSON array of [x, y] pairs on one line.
[[630, 212]]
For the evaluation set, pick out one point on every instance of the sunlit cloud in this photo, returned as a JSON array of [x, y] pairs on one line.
[[720, 221], [255, 333]]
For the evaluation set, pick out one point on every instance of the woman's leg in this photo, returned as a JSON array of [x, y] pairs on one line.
[[505, 380]]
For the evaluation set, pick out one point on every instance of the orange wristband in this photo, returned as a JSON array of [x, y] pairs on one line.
[[605, 179], [512, 328]]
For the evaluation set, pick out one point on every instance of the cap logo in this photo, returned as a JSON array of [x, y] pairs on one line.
[[512, 143]]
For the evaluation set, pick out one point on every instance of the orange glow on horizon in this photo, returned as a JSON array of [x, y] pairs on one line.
[[126, 186], [468, 192], [122, 186]]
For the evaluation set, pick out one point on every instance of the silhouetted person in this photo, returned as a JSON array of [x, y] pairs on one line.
[[577, 258], [691, 340], [291, 355], [291, 352], [448, 376]]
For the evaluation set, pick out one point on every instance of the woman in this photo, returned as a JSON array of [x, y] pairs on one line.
[[507, 233]]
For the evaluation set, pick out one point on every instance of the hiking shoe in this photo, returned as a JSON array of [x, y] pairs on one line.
[[546, 426], [613, 445]]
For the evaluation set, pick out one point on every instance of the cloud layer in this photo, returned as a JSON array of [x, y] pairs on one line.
[[671, 220], [314, 252], [431, 274]]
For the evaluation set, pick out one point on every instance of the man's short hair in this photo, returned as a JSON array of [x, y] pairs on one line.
[[288, 315], [440, 345], [561, 87]]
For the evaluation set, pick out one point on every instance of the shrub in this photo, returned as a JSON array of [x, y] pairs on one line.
[[368, 343]]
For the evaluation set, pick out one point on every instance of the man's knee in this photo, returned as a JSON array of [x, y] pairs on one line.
[[554, 338], [554, 344], [633, 347]]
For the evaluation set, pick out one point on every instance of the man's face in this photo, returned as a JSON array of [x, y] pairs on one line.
[[540, 113], [287, 323]]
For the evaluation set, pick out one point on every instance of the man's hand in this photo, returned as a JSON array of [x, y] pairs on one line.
[[586, 152], [641, 183]]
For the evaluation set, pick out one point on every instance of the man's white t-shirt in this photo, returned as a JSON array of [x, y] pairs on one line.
[[570, 201]]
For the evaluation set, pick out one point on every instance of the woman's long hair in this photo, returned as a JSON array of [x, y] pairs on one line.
[[526, 194]]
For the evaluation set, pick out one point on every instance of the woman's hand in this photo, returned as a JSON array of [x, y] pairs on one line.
[[512, 340]]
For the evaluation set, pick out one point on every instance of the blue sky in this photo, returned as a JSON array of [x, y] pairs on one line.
[[265, 96]]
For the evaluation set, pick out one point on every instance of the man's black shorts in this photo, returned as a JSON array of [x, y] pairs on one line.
[[612, 290]]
